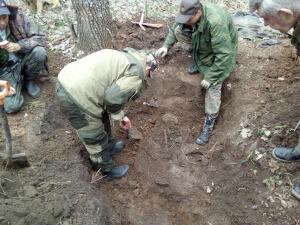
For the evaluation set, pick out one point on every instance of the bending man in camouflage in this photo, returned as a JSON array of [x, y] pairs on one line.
[[95, 86], [283, 15], [22, 55], [210, 31]]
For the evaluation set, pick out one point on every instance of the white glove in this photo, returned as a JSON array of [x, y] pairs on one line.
[[162, 52], [205, 84]]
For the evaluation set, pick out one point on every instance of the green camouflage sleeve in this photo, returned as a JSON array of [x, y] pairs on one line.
[[121, 92], [171, 37], [222, 49]]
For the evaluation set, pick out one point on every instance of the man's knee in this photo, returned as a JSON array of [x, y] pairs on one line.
[[14, 105], [94, 137], [39, 54]]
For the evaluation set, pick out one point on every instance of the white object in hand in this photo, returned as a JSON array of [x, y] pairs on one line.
[[205, 84]]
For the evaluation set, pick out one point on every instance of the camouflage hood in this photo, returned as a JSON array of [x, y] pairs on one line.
[[139, 58]]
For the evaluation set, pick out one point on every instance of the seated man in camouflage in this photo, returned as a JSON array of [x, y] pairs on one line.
[[95, 86], [283, 15], [22, 55], [210, 31]]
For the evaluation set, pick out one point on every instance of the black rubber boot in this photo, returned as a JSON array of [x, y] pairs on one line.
[[296, 189], [284, 154], [193, 69], [117, 147], [116, 172], [207, 129], [33, 89]]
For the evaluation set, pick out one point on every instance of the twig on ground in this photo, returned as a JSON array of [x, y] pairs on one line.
[[96, 177], [4, 178], [297, 126], [3, 192]]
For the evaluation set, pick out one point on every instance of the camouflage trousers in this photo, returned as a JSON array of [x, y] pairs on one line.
[[26, 69], [213, 99], [93, 132], [213, 94]]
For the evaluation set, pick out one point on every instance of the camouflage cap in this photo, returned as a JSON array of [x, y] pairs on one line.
[[3, 8], [187, 9]]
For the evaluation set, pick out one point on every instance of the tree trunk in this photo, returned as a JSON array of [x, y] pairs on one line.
[[95, 27]]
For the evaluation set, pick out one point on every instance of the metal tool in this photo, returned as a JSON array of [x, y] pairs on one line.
[[12, 160]]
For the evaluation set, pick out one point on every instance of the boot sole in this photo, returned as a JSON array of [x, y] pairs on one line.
[[109, 177], [201, 143], [296, 194], [283, 160]]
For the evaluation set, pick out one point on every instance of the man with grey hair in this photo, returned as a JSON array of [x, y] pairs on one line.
[[282, 15]]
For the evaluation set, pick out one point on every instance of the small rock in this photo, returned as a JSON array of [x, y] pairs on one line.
[[136, 192], [208, 190], [284, 203], [161, 181], [66, 223], [229, 87], [30, 191], [246, 133], [254, 207], [135, 134], [170, 118]]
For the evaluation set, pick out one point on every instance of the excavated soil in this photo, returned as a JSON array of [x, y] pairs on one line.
[[231, 181]]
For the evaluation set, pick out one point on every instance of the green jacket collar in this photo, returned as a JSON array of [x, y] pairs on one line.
[[201, 24]]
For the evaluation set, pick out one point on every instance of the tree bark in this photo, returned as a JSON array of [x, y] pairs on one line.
[[95, 27]]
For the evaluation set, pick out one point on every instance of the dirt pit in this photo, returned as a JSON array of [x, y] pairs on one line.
[[171, 180]]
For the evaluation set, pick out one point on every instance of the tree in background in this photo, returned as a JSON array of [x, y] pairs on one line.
[[95, 27]]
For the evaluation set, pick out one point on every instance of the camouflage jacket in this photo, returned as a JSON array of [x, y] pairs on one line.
[[21, 31], [105, 80], [214, 43], [296, 37]]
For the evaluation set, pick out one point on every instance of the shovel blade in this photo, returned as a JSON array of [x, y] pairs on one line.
[[18, 161]]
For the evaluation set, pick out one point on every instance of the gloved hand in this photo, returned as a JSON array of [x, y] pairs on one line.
[[5, 90], [10, 46], [205, 84], [162, 52], [126, 123]]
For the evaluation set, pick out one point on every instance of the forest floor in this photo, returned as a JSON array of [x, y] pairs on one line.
[[231, 181]]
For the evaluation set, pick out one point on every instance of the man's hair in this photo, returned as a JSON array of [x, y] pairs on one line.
[[272, 7]]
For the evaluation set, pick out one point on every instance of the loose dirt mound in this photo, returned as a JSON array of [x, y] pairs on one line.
[[171, 180]]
